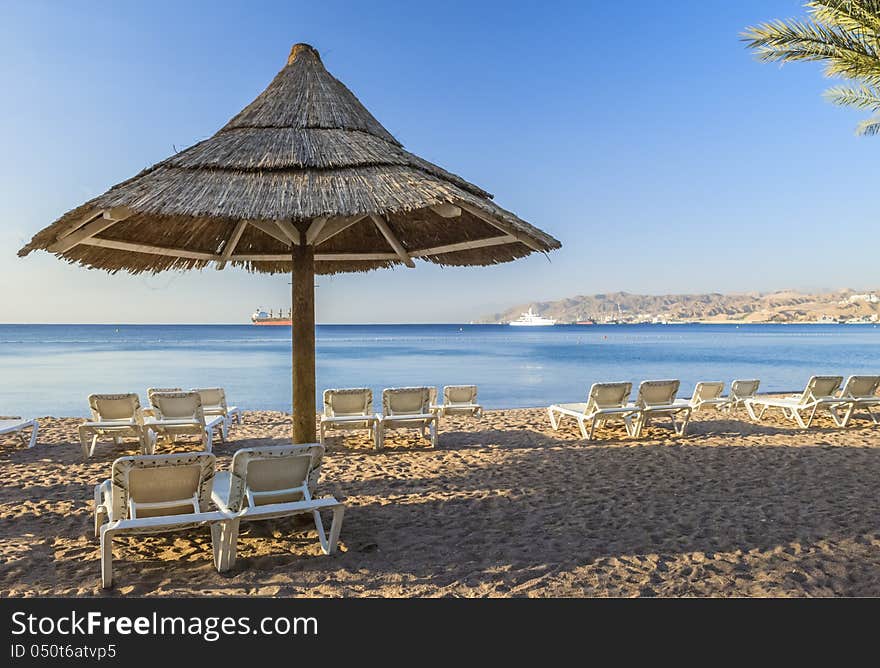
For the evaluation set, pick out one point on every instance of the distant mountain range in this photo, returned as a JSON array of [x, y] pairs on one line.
[[783, 306]]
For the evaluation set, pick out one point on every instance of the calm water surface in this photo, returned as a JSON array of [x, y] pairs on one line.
[[51, 369]]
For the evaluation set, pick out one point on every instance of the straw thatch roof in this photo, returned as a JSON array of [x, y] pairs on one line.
[[305, 162]]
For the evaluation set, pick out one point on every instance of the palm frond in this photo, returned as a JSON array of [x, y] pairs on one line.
[[846, 54], [845, 35], [856, 16], [860, 97], [869, 127]]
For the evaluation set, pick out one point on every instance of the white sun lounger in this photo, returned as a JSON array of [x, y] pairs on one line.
[[180, 414], [656, 398], [740, 391], [156, 494], [18, 426], [457, 400], [265, 483], [148, 411], [349, 409], [214, 403], [820, 392], [408, 407], [858, 392], [118, 416], [707, 395], [605, 402]]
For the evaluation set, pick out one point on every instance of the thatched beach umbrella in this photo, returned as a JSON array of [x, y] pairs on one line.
[[303, 180]]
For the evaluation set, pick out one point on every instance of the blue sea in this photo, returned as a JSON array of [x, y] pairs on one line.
[[51, 369]]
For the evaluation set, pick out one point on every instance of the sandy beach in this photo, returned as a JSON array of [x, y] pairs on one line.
[[505, 507]]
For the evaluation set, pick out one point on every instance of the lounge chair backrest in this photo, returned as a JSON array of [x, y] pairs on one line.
[[406, 400], [432, 396], [861, 386], [106, 407], [153, 390], [657, 392], [215, 397], [150, 485], [705, 391], [350, 401], [741, 389], [459, 394], [274, 474], [608, 395], [178, 406], [820, 387]]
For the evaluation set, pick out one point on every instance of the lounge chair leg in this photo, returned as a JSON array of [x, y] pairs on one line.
[[553, 421], [583, 429], [592, 430], [227, 544], [328, 546], [216, 545], [106, 558], [380, 436], [100, 520], [681, 428], [435, 439], [335, 528], [94, 444], [220, 533], [847, 416], [83, 443], [207, 440], [319, 527]]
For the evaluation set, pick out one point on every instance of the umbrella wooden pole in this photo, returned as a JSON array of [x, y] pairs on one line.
[[303, 342]]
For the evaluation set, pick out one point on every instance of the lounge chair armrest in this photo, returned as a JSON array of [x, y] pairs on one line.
[[171, 423], [349, 418], [615, 410], [103, 493], [410, 416], [288, 508], [111, 424], [222, 485], [162, 522]]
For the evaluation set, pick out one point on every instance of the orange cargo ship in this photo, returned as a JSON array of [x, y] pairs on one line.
[[260, 317]]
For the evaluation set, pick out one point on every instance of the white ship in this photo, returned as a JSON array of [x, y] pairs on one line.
[[532, 319]]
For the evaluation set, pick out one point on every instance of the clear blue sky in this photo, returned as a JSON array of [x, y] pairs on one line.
[[641, 134]]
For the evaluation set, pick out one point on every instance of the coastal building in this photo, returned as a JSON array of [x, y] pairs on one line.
[[869, 298]]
